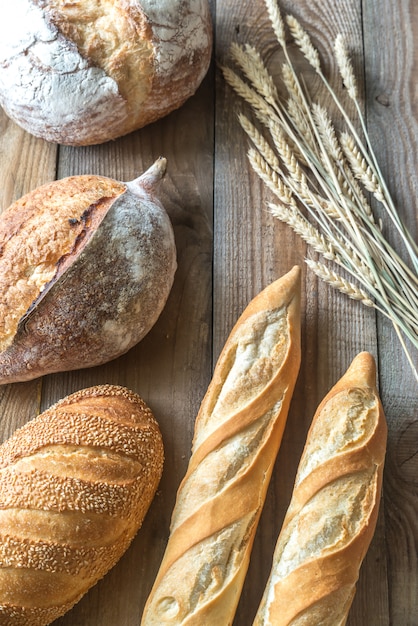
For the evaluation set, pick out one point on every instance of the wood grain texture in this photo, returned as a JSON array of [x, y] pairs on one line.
[[392, 112], [229, 248], [170, 368], [334, 330]]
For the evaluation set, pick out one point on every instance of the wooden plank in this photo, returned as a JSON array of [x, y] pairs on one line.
[[218, 209], [390, 32], [251, 249], [25, 161], [170, 368]]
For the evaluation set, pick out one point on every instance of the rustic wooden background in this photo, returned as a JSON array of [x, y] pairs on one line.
[[229, 248]]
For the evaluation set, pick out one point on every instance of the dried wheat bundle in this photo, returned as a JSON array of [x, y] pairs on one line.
[[323, 180]]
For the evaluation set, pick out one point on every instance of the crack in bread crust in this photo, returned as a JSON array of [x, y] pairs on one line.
[[36, 232]]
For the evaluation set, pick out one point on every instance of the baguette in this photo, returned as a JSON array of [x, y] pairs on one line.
[[75, 485], [237, 435], [334, 507]]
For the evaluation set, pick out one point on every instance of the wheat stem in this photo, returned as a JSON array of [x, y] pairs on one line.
[[371, 160], [319, 178], [338, 282]]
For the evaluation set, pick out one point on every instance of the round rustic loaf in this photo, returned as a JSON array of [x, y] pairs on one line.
[[86, 267], [75, 485], [85, 72]]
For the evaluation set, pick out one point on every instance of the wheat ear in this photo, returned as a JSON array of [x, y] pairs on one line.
[[321, 178]]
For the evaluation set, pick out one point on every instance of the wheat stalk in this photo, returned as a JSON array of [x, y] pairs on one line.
[[338, 282], [345, 67], [321, 179]]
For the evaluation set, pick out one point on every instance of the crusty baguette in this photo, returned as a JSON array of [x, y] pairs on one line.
[[75, 485], [237, 436], [333, 511]]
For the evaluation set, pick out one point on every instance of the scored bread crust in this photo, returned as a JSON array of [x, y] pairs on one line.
[[75, 485], [334, 507], [38, 231], [84, 72], [237, 435], [86, 267]]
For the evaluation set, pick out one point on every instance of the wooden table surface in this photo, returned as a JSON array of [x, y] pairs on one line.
[[229, 248]]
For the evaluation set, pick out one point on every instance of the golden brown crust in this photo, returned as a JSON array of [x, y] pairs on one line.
[[113, 35], [237, 435], [75, 485], [332, 515], [40, 230]]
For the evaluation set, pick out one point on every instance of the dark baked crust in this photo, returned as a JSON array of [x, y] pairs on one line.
[[40, 234]]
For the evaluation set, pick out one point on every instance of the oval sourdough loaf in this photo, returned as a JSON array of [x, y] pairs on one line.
[[84, 72], [75, 485], [237, 435], [86, 267], [333, 511]]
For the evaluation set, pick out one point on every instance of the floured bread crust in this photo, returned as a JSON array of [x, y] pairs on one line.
[[115, 37], [86, 267], [84, 72]]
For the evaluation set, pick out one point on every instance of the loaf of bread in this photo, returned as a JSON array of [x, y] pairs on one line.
[[86, 267], [237, 435], [75, 485], [334, 507], [84, 72]]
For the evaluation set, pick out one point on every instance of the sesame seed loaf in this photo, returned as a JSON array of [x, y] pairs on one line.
[[75, 485]]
